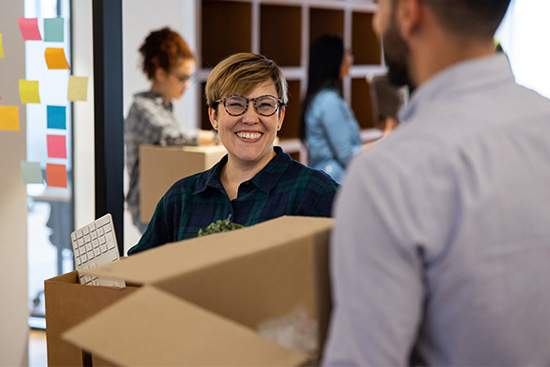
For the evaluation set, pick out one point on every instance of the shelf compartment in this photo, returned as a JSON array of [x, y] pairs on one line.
[[280, 34], [365, 43], [226, 29], [293, 110], [361, 103], [325, 21]]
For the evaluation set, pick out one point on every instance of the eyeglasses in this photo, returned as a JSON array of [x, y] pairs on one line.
[[182, 78], [265, 105]]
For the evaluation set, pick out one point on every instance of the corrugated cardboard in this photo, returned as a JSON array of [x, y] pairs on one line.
[[161, 167], [67, 304], [203, 299]]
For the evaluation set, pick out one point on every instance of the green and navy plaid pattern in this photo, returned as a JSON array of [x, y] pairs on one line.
[[283, 187]]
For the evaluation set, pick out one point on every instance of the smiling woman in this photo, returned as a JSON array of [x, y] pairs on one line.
[[246, 95]]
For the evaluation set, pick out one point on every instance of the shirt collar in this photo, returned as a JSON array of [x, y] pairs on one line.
[[474, 74], [157, 98], [265, 180]]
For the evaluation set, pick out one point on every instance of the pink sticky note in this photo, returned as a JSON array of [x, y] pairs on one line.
[[29, 29], [57, 148]]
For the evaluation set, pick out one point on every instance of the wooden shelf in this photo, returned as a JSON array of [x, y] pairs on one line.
[[226, 28], [323, 21], [283, 30], [280, 29]]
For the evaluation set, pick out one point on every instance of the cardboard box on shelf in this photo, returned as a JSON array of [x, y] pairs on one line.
[[219, 299], [161, 167], [67, 304]]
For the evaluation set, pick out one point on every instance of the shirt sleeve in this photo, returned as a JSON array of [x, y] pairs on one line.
[[336, 120], [378, 290], [157, 232]]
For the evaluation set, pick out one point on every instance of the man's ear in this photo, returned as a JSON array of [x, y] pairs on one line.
[[213, 116], [409, 16]]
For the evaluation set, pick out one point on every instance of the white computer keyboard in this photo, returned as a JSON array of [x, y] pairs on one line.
[[93, 245]]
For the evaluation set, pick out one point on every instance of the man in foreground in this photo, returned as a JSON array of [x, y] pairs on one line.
[[441, 247]]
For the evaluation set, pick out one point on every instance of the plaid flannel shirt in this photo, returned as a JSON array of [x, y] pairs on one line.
[[282, 187]]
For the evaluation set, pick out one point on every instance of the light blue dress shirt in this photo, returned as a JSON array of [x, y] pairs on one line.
[[441, 245], [333, 134]]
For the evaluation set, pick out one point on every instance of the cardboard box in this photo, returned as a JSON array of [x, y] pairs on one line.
[[161, 167], [203, 300], [67, 304]]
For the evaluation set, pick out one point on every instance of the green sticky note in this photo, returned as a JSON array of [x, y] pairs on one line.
[[31, 172], [28, 91], [54, 29]]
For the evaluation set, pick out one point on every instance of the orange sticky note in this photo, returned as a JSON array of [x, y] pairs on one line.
[[57, 147], [9, 118], [56, 175], [55, 58], [29, 29], [78, 88], [28, 91]]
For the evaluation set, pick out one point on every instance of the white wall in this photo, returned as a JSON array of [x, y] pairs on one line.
[[524, 36], [83, 114], [139, 18], [14, 311]]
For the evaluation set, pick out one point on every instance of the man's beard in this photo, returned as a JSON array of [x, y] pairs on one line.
[[396, 54]]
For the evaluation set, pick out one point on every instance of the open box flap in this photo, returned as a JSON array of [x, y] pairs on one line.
[[153, 328], [167, 261]]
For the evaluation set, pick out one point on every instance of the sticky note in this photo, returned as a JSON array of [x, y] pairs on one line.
[[29, 29], [57, 147], [55, 58], [9, 118], [57, 117], [31, 172], [28, 91], [1, 47], [54, 29], [56, 175], [78, 88]]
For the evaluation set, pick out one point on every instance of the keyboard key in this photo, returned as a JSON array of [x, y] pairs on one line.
[[93, 234], [87, 238], [90, 255], [88, 247], [110, 241], [84, 258], [80, 242], [85, 230], [79, 233], [100, 232], [100, 222], [73, 237], [107, 229], [97, 252], [103, 248], [101, 240], [78, 261]]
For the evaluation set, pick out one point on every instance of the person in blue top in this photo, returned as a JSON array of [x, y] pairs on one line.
[[328, 127]]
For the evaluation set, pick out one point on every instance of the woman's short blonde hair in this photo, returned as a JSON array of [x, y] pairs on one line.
[[240, 74]]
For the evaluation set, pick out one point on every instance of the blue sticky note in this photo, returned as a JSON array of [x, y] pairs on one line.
[[57, 117], [54, 29]]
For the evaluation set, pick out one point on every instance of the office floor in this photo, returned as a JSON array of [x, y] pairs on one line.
[[37, 349]]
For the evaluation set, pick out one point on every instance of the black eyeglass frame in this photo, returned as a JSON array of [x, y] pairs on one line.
[[280, 104]]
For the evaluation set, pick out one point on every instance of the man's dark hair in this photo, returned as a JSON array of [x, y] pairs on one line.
[[477, 18]]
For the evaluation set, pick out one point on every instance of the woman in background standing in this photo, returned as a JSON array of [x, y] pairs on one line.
[[328, 127], [169, 64]]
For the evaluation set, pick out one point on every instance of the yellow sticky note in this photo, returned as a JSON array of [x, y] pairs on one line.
[[28, 91], [1, 47], [9, 118], [78, 88], [55, 58]]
